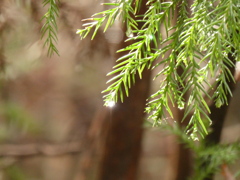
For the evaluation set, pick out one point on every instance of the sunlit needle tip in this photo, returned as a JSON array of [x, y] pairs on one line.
[[111, 104]]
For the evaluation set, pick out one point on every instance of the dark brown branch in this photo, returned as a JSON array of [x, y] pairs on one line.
[[21, 150]]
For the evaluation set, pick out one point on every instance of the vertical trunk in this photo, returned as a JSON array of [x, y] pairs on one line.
[[123, 142], [124, 133], [183, 161], [218, 115]]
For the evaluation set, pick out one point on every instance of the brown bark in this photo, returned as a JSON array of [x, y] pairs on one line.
[[123, 143], [183, 161], [124, 132], [218, 115]]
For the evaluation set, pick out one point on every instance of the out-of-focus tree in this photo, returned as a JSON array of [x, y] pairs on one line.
[[47, 104]]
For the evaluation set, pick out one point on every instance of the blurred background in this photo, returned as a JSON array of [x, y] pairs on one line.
[[52, 121]]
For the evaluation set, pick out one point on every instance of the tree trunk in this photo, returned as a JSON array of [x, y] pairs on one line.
[[124, 133], [218, 115]]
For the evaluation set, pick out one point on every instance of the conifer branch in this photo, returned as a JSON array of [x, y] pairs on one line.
[[199, 43], [50, 27]]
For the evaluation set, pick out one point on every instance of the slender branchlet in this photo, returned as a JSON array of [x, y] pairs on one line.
[[50, 28]]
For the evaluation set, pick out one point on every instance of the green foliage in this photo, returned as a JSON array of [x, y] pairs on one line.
[[209, 159], [16, 119], [15, 173], [122, 9], [199, 43], [50, 27]]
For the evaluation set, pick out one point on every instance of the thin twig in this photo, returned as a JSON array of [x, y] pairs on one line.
[[39, 149]]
